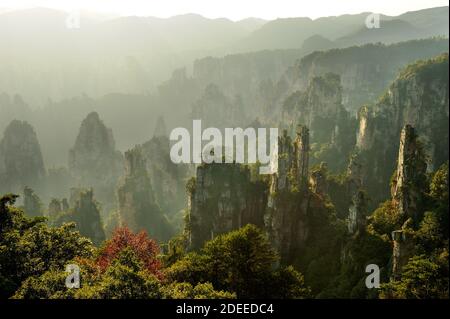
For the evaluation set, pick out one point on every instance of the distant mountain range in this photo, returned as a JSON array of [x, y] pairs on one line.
[[135, 54], [348, 29]]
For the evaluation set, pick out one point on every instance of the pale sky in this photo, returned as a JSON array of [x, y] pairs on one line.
[[232, 9]]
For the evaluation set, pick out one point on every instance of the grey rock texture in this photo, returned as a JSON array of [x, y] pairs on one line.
[[93, 160], [21, 162]]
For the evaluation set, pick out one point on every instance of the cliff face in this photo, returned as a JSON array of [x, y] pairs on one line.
[[93, 160], [365, 71], [408, 189], [357, 212], [298, 215], [238, 73], [410, 176], [286, 217], [402, 251], [137, 207], [320, 108], [21, 162], [357, 199], [32, 204], [167, 179], [249, 75], [56, 207], [319, 103], [223, 198], [84, 211], [86, 215], [293, 161], [418, 97], [217, 110]]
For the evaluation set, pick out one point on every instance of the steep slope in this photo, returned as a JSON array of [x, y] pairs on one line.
[[419, 97], [365, 71], [167, 178], [21, 162], [331, 127], [94, 161], [137, 206]]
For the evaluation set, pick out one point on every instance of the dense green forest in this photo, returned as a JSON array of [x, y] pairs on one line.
[[87, 181], [238, 264]]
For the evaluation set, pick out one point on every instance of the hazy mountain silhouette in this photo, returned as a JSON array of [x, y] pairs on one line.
[[133, 55], [291, 32]]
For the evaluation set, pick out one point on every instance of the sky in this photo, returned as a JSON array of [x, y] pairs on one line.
[[231, 9]]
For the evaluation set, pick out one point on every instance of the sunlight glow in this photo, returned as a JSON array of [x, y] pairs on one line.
[[232, 9]]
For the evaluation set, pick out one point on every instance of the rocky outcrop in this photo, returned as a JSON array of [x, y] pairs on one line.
[[286, 217], [134, 187], [318, 179], [32, 204], [86, 215], [301, 154], [364, 140], [320, 108], [55, 208], [410, 177], [84, 211], [357, 213], [293, 161], [137, 206], [252, 76], [291, 206], [215, 109], [408, 191], [418, 97], [176, 94], [365, 71], [358, 200], [21, 162], [222, 198], [167, 178], [321, 101], [241, 73], [93, 160], [402, 250]]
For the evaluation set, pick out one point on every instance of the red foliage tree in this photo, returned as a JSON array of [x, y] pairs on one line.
[[146, 249]]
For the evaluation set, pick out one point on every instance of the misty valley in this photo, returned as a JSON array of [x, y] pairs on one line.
[[90, 175]]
